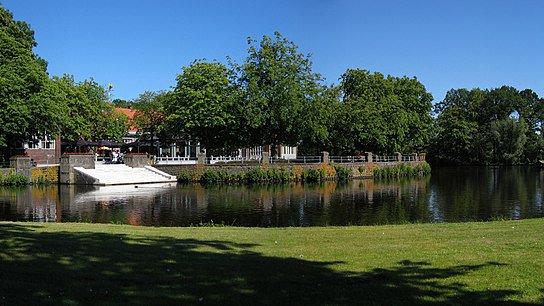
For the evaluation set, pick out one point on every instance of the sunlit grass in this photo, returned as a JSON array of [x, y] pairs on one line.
[[468, 263]]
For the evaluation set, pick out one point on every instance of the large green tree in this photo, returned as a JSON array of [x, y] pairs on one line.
[[384, 114], [29, 100], [88, 113], [282, 94], [492, 126], [203, 106]]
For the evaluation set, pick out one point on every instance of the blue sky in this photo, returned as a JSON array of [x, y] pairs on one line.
[[142, 45]]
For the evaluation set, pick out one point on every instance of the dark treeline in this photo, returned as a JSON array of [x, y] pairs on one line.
[[272, 97], [495, 126]]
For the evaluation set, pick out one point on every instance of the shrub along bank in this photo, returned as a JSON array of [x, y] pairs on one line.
[[39, 176], [13, 179], [309, 173]]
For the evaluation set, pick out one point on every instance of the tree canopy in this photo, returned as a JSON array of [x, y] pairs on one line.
[[88, 114], [281, 93], [202, 106], [383, 114], [492, 126], [150, 114], [28, 98]]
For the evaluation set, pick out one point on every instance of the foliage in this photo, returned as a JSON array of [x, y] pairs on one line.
[[88, 114], [28, 99], [343, 173], [121, 103], [47, 175], [492, 126], [254, 175], [203, 106], [185, 177], [508, 137], [150, 114], [283, 98], [13, 179], [313, 175], [383, 114]]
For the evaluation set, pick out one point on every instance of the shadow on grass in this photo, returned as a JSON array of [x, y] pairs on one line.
[[96, 268]]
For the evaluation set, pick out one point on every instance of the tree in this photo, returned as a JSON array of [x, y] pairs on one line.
[[89, 115], [202, 106], [492, 126], [121, 103], [508, 137], [281, 93], [385, 114], [29, 104], [150, 114], [455, 136]]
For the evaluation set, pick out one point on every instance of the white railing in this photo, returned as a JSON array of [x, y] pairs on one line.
[[408, 158], [178, 160], [211, 160], [298, 160], [347, 159], [230, 159], [384, 159]]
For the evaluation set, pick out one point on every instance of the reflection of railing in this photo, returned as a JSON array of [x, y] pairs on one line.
[[178, 160], [409, 158]]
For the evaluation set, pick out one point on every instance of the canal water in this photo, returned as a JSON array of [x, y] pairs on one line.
[[447, 195]]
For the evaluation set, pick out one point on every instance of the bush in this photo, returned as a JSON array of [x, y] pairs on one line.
[[313, 175], [255, 175], [185, 177], [343, 174], [14, 179], [210, 176]]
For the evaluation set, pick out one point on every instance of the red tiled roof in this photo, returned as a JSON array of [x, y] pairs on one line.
[[127, 111], [130, 114]]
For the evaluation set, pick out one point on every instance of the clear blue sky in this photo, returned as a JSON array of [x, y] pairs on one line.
[[142, 45]]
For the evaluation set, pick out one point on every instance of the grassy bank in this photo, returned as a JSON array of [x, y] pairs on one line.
[[472, 263]]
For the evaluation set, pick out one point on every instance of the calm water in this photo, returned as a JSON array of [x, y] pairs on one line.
[[448, 195]]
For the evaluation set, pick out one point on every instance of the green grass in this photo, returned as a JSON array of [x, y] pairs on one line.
[[102, 264]]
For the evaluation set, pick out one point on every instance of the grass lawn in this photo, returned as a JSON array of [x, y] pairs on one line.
[[100, 264]]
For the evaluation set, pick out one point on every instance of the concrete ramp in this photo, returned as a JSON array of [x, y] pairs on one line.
[[122, 175]]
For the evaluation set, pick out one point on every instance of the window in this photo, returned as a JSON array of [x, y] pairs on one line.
[[43, 142]]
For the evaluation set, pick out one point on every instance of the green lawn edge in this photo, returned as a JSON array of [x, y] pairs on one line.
[[494, 263]]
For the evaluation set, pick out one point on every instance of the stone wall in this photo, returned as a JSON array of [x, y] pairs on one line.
[[22, 165], [69, 161], [136, 160]]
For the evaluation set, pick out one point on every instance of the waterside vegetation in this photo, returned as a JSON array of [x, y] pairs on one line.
[[492, 263], [13, 179], [313, 173]]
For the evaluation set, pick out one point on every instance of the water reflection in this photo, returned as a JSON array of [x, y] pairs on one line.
[[450, 195], [30, 204]]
